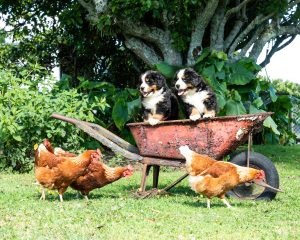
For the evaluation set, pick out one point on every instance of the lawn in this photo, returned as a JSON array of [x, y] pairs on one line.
[[113, 213]]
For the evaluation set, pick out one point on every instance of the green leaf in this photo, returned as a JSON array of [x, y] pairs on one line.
[[221, 75], [220, 55], [273, 95], [253, 109], [240, 75], [236, 96], [165, 69], [209, 72], [133, 107], [120, 113], [17, 138], [203, 55], [221, 100], [271, 138], [258, 102], [133, 92], [105, 87], [269, 122], [219, 65], [284, 102], [234, 108]]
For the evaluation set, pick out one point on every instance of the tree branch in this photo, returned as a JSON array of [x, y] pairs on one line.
[[250, 42], [233, 33], [202, 20], [236, 9], [143, 51], [256, 21], [90, 7], [292, 30], [101, 5], [165, 19], [217, 25], [161, 38], [293, 3], [269, 34], [277, 47]]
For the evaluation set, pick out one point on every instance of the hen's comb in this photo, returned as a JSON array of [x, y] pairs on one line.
[[129, 167], [99, 152]]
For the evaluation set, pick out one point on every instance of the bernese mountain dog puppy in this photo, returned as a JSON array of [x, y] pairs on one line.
[[158, 102], [199, 99]]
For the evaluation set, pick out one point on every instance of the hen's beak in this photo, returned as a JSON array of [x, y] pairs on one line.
[[264, 184]]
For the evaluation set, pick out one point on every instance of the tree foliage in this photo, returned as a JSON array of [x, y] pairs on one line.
[[177, 31], [57, 33], [88, 38]]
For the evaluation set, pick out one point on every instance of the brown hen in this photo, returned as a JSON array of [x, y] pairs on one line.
[[58, 172]]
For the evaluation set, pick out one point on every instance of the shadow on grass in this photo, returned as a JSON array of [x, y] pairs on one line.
[[214, 203]]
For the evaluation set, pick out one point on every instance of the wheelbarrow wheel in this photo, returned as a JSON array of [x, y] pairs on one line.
[[253, 191]]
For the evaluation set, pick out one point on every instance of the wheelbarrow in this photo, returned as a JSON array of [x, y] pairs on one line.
[[217, 137]]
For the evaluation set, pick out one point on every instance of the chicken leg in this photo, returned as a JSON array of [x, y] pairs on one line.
[[226, 202], [61, 198], [208, 202], [43, 196]]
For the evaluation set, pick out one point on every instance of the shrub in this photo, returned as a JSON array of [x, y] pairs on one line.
[[25, 110]]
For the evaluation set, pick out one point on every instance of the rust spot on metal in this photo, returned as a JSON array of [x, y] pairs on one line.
[[240, 133]]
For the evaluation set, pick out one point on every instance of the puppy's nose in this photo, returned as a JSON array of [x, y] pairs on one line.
[[177, 86], [142, 88]]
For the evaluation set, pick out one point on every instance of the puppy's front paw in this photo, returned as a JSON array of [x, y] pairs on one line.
[[153, 121], [195, 117], [209, 115]]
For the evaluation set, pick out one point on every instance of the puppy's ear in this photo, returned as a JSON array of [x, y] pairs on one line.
[[200, 83], [175, 75], [140, 77], [192, 75], [161, 81]]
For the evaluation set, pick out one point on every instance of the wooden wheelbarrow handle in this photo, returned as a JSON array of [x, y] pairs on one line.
[[108, 139]]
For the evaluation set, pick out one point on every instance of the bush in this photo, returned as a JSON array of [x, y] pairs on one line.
[[25, 110]]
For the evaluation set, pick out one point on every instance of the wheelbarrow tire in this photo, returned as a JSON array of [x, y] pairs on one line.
[[258, 161]]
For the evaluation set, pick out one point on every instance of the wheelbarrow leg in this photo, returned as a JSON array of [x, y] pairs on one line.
[[156, 169], [145, 173]]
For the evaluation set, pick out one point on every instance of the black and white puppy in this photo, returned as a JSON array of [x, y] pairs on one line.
[[158, 102], [199, 99]]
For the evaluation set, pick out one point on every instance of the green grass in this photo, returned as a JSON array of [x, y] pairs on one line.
[[112, 212]]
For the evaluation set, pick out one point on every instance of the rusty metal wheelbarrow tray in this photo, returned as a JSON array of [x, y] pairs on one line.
[[215, 137]]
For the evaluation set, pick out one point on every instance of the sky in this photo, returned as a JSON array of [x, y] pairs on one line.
[[284, 64]]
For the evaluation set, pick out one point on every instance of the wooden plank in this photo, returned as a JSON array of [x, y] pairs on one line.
[[106, 142], [167, 188], [114, 138], [145, 173], [103, 138], [155, 175], [163, 162]]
